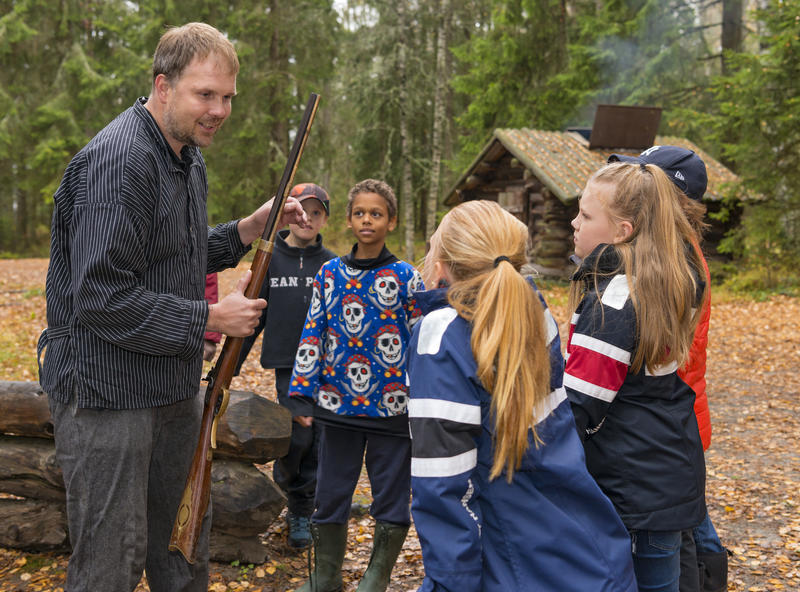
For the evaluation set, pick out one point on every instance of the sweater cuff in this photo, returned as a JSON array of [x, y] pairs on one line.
[[299, 406]]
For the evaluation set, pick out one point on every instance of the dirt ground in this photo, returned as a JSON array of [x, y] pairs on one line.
[[753, 464]]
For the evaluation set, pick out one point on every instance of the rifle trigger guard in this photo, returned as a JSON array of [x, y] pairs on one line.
[[223, 406]]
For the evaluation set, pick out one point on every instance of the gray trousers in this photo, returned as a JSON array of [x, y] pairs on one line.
[[124, 473]]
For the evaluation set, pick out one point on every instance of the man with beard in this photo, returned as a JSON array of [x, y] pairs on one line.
[[130, 249]]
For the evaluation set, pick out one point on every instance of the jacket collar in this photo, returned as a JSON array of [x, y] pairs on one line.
[[384, 258], [604, 259], [430, 300]]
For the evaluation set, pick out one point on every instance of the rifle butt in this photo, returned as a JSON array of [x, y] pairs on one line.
[[196, 495]]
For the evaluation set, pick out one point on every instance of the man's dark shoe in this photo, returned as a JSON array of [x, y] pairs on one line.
[[299, 531]]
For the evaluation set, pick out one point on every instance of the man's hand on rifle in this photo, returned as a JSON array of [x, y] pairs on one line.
[[252, 227], [236, 315]]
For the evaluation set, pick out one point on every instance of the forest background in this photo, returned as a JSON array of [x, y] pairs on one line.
[[411, 90]]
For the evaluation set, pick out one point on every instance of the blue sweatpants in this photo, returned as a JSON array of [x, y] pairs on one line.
[[342, 452]]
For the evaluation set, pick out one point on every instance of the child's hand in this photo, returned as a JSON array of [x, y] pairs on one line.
[[303, 420]]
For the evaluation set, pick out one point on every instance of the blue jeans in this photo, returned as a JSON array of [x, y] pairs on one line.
[[656, 559], [706, 538]]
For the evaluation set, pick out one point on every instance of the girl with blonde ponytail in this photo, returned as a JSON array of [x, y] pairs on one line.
[[636, 299], [501, 499]]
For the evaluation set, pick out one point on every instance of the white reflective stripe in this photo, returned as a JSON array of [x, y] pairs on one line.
[[547, 406], [439, 409], [601, 347], [552, 326], [616, 293], [662, 370], [587, 388], [444, 466], [433, 326]]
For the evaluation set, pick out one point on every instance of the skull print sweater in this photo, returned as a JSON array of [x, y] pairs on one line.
[[351, 360]]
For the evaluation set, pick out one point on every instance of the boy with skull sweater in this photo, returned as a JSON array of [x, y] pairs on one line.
[[351, 362]]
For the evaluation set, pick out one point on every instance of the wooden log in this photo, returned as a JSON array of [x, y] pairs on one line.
[[245, 500], [553, 246], [472, 182], [38, 526], [35, 525], [24, 410], [28, 468], [253, 429], [536, 198]]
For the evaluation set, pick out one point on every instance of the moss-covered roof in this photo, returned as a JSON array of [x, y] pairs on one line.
[[563, 162]]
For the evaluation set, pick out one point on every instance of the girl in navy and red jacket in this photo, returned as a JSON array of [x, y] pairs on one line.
[[636, 299]]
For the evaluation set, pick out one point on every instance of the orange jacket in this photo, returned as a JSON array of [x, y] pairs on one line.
[[694, 373]]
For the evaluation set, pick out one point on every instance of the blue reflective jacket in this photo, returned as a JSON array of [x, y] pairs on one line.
[[550, 529]]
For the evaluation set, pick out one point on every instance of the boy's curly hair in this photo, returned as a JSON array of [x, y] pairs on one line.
[[373, 186]]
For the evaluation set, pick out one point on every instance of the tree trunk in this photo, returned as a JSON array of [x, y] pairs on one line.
[[731, 30], [438, 117], [279, 62], [406, 191]]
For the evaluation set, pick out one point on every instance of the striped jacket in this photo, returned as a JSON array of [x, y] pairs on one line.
[[129, 252], [639, 429], [550, 529]]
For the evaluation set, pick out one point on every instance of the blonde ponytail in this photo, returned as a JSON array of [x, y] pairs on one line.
[[484, 247]]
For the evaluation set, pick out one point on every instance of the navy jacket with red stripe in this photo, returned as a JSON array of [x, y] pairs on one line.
[[639, 429]]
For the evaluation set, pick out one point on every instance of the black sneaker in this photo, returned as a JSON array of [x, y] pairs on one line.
[[299, 531]]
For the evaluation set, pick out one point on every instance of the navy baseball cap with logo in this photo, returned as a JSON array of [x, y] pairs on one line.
[[683, 167], [310, 190]]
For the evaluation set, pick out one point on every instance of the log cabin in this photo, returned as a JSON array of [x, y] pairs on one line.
[[539, 175]]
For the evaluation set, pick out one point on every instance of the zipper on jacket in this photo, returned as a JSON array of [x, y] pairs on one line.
[[301, 260]]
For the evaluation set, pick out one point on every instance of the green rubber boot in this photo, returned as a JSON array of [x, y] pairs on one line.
[[330, 541], [386, 544]]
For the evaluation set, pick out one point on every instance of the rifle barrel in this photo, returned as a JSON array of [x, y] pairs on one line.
[[196, 494]]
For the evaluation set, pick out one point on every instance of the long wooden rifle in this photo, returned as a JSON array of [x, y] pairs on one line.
[[194, 503]]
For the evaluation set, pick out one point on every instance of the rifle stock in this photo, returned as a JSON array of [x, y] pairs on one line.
[[196, 494]]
